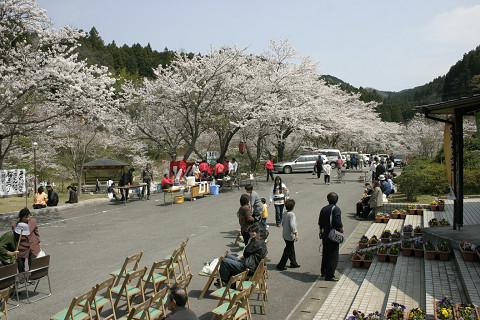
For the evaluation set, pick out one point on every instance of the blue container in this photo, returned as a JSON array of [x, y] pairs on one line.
[[214, 189]]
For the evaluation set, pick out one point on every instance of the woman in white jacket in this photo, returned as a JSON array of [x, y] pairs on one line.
[[277, 196]]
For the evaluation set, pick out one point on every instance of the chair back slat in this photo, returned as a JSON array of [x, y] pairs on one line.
[[142, 307], [7, 275], [39, 267]]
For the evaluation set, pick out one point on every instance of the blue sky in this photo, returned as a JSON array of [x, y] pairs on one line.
[[386, 45]]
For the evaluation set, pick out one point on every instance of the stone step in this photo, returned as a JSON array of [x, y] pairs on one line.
[[469, 272]]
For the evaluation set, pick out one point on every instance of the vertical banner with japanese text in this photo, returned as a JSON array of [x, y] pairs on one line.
[[448, 150], [12, 182]]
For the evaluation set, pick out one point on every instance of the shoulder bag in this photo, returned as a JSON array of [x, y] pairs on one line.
[[334, 235]]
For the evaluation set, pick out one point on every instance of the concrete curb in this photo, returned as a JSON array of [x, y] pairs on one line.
[[63, 207]]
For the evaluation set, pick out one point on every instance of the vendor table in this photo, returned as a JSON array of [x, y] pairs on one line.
[[133, 186], [173, 190]]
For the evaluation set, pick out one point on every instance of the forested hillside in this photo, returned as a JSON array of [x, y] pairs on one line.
[[136, 61]]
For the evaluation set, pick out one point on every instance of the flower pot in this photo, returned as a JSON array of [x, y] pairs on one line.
[[407, 252], [385, 220], [362, 245], [420, 212], [452, 317], [467, 255], [392, 257], [474, 311], [418, 252], [407, 235], [395, 239], [443, 255], [372, 244], [433, 208], [441, 207], [356, 263], [367, 263], [417, 234], [385, 240], [382, 257], [387, 314], [403, 215], [395, 215], [378, 220], [412, 211], [429, 254]]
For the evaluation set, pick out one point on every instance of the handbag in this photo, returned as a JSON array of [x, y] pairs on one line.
[[334, 235]]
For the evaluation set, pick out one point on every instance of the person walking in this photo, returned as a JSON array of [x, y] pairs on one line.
[[147, 177], [319, 166], [30, 245], [290, 235], [277, 196], [245, 217], [269, 166], [328, 170], [330, 217]]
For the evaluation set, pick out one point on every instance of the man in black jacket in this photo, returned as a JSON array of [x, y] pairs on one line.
[[126, 180], [254, 252], [52, 197]]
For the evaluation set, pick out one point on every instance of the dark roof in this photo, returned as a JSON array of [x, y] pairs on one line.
[[105, 163], [465, 106]]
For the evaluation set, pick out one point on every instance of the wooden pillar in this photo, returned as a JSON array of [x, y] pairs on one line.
[[458, 142]]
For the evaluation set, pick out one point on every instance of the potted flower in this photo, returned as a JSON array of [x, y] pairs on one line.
[[379, 217], [420, 209], [468, 250], [393, 253], [441, 205], [382, 253], [396, 235], [433, 222], [417, 231], [373, 241], [412, 208], [466, 311], [416, 314], [430, 250], [386, 217], [396, 214], [396, 312], [433, 206], [444, 222], [407, 248], [403, 214], [407, 231], [418, 248], [443, 251], [359, 315], [368, 258], [385, 237], [357, 259], [363, 243], [444, 309]]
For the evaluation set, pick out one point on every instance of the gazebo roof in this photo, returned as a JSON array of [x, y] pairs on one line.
[[104, 163], [464, 106]]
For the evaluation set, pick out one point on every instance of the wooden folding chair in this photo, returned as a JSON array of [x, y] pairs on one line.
[[212, 276], [157, 309], [71, 313], [183, 259], [141, 310], [227, 293], [239, 303], [127, 267], [156, 279], [8, 278], [239, 239], [230, 313], [4, 295], [128, 291], [170, 268], [184, 283], [38, 269], [255, 281], [99, 300]]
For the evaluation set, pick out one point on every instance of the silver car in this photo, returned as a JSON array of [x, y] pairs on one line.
[[300, 163]]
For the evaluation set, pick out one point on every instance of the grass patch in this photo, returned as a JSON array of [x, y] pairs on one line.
[[399, 197], [15, 204]]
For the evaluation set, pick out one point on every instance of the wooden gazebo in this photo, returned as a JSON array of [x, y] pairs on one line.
[[107, 165], [452, 112]]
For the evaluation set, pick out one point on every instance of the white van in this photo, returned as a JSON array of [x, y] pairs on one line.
[[331, 154]]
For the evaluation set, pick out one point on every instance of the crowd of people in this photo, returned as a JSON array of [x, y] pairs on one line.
[[50, 199]]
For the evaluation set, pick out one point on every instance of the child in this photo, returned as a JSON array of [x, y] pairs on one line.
[[290, 235], [263, 220]]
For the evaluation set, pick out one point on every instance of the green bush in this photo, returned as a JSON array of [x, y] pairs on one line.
[[471, 181], [438, 183], [412, 183]]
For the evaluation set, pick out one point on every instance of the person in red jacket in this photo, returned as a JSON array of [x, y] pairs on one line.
[[269, 166], [219, 170], [204, 168], [166, 182]]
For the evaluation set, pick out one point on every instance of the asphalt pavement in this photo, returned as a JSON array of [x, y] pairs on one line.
[[87, 243]]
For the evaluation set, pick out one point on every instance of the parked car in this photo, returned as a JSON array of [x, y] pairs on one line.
[[399, 160], [365, 157], [332, 155], [300, 163]]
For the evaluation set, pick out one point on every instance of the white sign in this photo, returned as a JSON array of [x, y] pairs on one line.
[[12, 182], [212, 157]]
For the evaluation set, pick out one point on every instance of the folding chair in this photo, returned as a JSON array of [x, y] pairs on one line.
[[128, 291], [239, 238], [227, 293], [230, 313], [99, 301], [4, 295], [38, 270], [255, 282], [8, 278], [157, 309], [141, 308], [156, 279], [121, 273], [184, 283], [73, 314], [212, 276], [239, 302], [170, 268], [183, 257]]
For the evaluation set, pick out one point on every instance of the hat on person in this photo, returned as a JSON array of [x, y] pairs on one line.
[[381, 177], [369, 187], [22, 228]]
